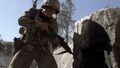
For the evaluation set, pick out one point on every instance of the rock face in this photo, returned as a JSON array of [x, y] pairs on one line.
[[64, 60], [109, 19]]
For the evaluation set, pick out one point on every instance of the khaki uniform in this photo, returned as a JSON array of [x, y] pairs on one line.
[[35, 43]]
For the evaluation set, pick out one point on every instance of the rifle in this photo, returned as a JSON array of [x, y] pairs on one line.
[[52, 35], [64, 44]]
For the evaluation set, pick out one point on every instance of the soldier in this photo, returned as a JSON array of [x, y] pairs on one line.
[[33, 45], [89, 46]]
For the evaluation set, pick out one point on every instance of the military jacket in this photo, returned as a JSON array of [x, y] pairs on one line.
[[28, 21]]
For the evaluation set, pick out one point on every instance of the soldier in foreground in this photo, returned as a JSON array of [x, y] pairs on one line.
[[38, 27], [89, 45]]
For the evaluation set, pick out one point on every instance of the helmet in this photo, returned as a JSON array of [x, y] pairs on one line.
[[32, 12], [55, 4]]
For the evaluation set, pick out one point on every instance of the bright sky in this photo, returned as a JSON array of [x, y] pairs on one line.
[[11, 10]]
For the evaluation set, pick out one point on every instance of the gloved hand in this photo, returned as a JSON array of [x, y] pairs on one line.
[[22, 30]]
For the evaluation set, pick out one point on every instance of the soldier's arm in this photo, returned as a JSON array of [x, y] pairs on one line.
[[53, 31], [25, 21], [108, 48], [28, 18], [106, 41]]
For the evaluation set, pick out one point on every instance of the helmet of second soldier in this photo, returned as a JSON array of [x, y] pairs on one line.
[[55, 4]]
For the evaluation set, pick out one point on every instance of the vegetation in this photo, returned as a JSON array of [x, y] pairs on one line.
[[65, 20], [6, 48]]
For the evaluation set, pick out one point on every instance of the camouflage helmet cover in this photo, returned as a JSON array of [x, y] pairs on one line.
[[55, 4]]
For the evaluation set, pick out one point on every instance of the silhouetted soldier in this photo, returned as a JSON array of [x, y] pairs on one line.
[[33, 45], [89, 45]]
